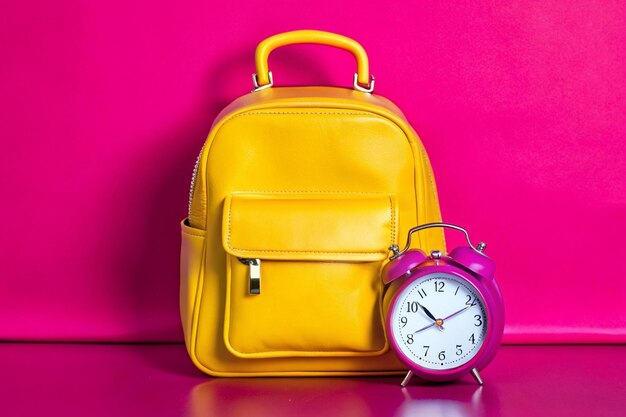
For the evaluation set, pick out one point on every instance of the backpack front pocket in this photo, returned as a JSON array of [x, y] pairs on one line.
[[303, 273]]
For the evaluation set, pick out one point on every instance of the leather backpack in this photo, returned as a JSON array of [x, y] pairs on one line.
[[296, 197]]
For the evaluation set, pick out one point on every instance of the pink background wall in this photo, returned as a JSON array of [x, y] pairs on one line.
[[104, 106]]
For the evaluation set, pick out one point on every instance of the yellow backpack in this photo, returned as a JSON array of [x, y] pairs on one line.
[[296, 197]]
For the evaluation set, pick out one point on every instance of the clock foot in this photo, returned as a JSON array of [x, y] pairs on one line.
[[476, 376], [406, 379]]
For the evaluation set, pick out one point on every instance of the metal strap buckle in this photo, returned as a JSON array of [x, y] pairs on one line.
[[258, 87], [370, 87]]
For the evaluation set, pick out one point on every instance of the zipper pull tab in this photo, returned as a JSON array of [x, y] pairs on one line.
[[254, 275]]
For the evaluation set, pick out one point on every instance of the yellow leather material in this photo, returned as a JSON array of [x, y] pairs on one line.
[[264, 49], [321, 290], [322, 98], [311, 309], [191, 272], [314, 227], [304, 144]]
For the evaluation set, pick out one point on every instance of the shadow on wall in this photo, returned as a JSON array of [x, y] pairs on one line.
[[156, 185]]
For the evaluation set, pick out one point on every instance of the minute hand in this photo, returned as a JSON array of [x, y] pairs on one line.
[[455, 313], [442, 320]]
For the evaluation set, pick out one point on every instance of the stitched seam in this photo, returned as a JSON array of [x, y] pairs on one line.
[[297, 113], [229, 234], [392, 230], [310, 192], [339, 353], [305, 251], [283, 353], [230, 210]]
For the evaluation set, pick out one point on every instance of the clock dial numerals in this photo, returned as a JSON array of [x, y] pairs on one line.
[[458, 332], [470, 301]]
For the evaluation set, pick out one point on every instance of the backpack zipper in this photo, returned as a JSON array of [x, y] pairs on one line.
[[254, 275], [193, 180]]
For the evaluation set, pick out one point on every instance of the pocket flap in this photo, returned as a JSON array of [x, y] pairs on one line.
[[337, 227]]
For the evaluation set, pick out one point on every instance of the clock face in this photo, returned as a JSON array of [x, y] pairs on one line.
[[439, 321]]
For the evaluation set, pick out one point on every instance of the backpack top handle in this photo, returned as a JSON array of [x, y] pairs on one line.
[[363, 81]]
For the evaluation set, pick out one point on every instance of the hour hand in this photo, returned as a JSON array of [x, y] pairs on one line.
[[428, 313]]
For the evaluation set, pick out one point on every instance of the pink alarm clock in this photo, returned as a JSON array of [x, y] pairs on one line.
[[446, 315]]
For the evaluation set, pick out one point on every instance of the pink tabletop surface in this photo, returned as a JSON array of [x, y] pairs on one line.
[[158, 380]]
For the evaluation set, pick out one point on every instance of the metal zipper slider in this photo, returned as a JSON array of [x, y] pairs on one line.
[[254, 275]]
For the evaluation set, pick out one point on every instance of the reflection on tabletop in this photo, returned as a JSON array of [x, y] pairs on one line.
[[341, 397]]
